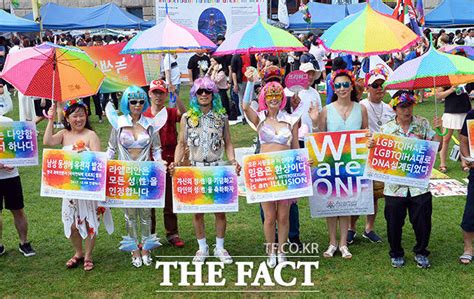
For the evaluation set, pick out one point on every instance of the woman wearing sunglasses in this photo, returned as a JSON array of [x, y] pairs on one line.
[[133, 139], [204, 130], [343, 114]]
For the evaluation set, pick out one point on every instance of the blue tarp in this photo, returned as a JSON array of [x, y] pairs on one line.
[[11, 23], [324, 16], [149, 24], [451, 13], [57, 17]]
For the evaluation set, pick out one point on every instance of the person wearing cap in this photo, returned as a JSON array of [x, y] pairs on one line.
[[158, 94], [400, 198], [379, 113]]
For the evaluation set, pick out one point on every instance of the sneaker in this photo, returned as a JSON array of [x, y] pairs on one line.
[[2, 250], [272, 260], [100, 120], [176, 242], [372, 237], [137, 261], [398, 262], [223, 255], [422, 261], [281, 257], [350, 236], [345, 252], [147, 260], [201, 256], [26, 249]]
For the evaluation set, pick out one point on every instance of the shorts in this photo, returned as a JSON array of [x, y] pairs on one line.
[[12, 193], [453, 121], [378, 189]]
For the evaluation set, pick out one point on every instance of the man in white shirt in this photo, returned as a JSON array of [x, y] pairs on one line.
[[172, 73], [379, 114], [469, 40]]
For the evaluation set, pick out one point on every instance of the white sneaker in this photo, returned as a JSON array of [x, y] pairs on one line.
[[137, 261], [281, 257], [272, 260], [223, 255], [201, 255], [147, 260]]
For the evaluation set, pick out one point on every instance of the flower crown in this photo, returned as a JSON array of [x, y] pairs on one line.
[[379, 70], [404, 98], [72, 102], [346, 72]]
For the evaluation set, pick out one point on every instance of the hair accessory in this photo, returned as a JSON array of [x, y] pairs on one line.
[[72, 102], [404, 98], [379, 71], [336, 74]]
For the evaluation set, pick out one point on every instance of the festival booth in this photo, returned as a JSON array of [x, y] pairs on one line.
[[11, 23], [451, 13], [57, 17], [324, 16]]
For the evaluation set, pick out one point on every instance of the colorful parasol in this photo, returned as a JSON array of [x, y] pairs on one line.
[[168, 36], [367, 33], [453, 49], [53, 72], [260, 37]]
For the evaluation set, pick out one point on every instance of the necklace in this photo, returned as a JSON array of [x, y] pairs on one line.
[[345, 111], [379, 117]]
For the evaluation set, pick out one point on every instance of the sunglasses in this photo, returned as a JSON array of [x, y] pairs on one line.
[[134, 102], [376, 85], [202, 91], [342, 84]]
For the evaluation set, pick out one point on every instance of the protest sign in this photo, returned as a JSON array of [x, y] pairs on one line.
[[339, 160], [121, 71], [470, 135], [135, 184], [442, 188], [277, 175], [210, 189], [18, 144], [240, 152], [71, 174], [401, 160]]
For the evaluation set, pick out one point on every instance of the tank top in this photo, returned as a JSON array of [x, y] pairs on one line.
[[336, 123]]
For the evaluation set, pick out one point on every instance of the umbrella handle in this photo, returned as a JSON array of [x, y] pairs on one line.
[[46, 115], [439, 133]]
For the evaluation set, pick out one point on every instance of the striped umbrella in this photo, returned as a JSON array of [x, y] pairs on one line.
[[260, 37], [53, 72], [367, 33], [453, 49]]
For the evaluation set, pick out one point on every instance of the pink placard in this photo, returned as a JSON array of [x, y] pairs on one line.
[[297, 81]]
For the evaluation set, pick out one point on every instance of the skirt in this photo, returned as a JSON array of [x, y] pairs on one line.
[[453, 120]]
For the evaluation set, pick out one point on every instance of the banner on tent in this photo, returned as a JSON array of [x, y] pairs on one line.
[[18, 144], [205, 189], [120, 71], [73, 175], [277, 175], [339, 160], [135, 184], [401, 160]]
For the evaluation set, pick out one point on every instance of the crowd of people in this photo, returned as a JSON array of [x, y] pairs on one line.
[[252, 87]]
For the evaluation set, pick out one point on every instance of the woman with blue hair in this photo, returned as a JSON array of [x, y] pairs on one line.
[[133, 138]]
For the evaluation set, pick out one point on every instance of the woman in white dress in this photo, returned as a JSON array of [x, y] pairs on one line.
[[81, 218]]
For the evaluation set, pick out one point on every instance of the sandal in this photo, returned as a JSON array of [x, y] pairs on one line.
[[330, 251], [443, 169], [465, 259], [74, 262], [88, 265]]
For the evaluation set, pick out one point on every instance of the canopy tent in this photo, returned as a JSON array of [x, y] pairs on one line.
[[57, 17], [326, 15], [11, 23], [451, 13], [148, 24]]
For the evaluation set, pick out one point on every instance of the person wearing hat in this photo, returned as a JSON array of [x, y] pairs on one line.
[[379, 113], [400, 198], [168, 137]]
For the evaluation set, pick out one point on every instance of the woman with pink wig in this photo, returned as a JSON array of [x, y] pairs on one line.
[[277, 131]]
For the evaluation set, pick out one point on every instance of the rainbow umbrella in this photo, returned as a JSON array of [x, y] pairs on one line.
[[168, 36], [53, 72], [367, 33], [260, 37], [453, 49]]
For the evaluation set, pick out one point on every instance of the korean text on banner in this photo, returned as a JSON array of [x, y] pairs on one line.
[[277, 175], [121, 71], [401, 160], [339, 188], [18, 144], [135, 184], [71, 174], [205, 189], [470, 134]]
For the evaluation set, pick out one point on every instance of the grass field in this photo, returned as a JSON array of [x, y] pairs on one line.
[[368, 274]]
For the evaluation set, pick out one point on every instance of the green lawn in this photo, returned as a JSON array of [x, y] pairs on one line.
[[368, 274]]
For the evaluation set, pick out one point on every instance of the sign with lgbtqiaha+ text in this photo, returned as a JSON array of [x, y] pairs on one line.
[[401, 160], [134, 184], [73, 175], [339, 160], [277, 175], [18, 144], [210, 189], [470, 134]]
